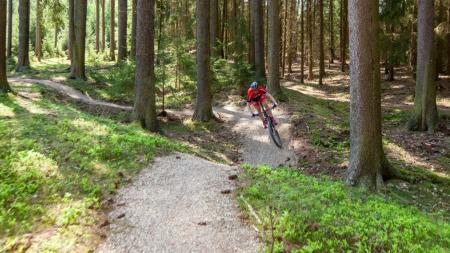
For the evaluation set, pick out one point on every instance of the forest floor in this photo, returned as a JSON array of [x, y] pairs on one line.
[[219, 225], [314, 127]]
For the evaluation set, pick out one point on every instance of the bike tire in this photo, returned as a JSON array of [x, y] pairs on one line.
[[274, 135]]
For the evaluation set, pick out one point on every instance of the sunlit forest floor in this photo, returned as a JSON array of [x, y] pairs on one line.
[[321, 119], [57, 189]]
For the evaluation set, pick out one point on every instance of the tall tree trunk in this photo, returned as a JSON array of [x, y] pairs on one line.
[[438, 42], [310, 40], [23, 60], [203, 107], [214, 26], [97, 26], [38, 39], [79, 45], [10, 25], [368, 165], [284, 37], [274, 47], [145, 102], [413, 44], [331, 20], [257, 14], [302, 41], [448, 39], [224, 29], [321, 45], [344, 33], [71, 30], [4, 87], [425, 116], [292, 50], [112, 31], [133, 29], [103, 26], [122, 55], [251, 41]]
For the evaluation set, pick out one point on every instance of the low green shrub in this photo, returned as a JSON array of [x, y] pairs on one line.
[[310, 214]]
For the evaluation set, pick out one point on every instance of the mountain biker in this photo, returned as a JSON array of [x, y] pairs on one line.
[[255, 94]]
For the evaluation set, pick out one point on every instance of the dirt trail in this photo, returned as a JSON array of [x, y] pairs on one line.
[[178, 205], [73, 94], [183, 203]]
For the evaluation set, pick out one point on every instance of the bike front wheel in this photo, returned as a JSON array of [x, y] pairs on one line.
[[274, 135]]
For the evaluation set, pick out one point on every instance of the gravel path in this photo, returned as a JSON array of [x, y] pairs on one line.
[[258, 147], [178, 205], [183, 203]]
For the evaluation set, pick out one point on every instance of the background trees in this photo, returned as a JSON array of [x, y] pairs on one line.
[[4, 87], [203, 108], [425, 111], [144, 103], [23, 60]]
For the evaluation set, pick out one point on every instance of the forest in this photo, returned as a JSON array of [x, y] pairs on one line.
[[224, 126]]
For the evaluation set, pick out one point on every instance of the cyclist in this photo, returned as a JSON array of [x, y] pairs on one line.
[[255, 94]]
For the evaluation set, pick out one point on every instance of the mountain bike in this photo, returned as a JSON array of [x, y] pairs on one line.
[[271, 126]]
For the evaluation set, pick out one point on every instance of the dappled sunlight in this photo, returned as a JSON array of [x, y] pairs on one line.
[[31, 161], [6, 111], [90, 127], [399, 153]]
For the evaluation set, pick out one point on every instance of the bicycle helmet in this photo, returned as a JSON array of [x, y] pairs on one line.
[[254, 85]]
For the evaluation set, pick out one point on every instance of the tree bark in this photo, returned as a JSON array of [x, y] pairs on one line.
[[71, 30], [284, 37], [413, 44], [79, 45], [97, 26], [448, 39], [224, 29], [274, 47], [203, 107], [258, 26], [23, 60], [214, 26], [145, 102], [331, 17], [4, 87], [38, 39], [251, 45], [310, 40], [103, 26], [321, 45], [10, 25], [344, 32], [133, 30], [122, 55], [292, 50], [425, 116], [368, 165], [112, 31], [302, 41]]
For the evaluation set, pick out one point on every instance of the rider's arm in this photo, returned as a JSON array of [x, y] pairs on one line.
[[249, 108], [271, 98]]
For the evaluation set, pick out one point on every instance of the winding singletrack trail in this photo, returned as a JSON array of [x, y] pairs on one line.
[[183, 203]]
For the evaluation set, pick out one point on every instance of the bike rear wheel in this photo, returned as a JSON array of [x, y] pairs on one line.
[[274, 135]]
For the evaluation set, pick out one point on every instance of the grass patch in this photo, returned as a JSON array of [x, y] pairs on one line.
[[311, 214], [58, 163]]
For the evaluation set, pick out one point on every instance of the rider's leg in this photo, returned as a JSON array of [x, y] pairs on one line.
[[258, 108], [269, 111]]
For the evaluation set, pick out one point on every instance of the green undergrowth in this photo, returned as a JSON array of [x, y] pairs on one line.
[[57, 164], [317, 214], [114, 82]]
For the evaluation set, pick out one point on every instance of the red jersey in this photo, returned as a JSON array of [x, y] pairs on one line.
[[254, 96]]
